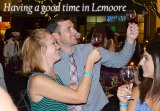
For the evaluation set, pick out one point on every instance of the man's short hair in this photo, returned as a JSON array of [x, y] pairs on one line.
[[53, 26]]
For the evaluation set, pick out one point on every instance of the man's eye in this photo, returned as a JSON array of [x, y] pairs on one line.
[[55, 42], [69, 28]]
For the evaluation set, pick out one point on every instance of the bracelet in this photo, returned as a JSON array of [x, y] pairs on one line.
[[123, 105], [88, 74]]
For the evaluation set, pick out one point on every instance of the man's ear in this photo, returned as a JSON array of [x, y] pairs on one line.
[[55, 35]]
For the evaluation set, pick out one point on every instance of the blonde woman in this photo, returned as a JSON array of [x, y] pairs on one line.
[[45, 89]]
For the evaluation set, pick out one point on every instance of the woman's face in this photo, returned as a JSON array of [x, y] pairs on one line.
[[147, 65], [52, 49]]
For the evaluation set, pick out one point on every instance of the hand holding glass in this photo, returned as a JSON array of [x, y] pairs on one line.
[[127, 74], [131, 16]]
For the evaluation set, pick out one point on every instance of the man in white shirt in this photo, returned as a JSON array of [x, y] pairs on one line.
[[11, 48]]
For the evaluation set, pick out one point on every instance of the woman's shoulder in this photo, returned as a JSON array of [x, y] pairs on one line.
[[38, 78], [156, 106]]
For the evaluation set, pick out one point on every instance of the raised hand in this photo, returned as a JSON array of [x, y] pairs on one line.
[[94, 55], [132, 32]]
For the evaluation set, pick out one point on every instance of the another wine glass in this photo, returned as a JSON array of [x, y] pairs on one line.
[[96, 39], [131, 16], [128, 75]]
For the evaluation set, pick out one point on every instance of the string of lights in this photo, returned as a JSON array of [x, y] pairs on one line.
[[152, 6], [46, 14]]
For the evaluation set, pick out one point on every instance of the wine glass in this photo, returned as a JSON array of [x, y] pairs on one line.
[[131, 16], [96, 39], [128, 76]]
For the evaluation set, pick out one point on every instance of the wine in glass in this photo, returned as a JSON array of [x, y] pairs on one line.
[[131, 16], [128, 75], [96, 39]]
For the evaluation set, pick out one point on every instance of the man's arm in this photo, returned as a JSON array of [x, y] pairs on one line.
[[119, 59]]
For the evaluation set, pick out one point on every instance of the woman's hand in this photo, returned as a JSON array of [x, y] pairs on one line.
[[94, 55], [123, 91]]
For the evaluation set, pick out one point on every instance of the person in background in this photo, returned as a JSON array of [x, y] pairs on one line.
[[11, 48], [66, 35], [8, 34], [45, 88], [6, 102], [2, 59], [12, 54], [2, 81], [157, 34], [94, 32], [147, 94], [112, 42], [90, 34], [117, 44]]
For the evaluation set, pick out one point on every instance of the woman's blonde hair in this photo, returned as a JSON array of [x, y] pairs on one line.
[[31, 51]]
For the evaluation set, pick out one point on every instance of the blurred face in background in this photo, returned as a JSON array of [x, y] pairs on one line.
[[94, 30]]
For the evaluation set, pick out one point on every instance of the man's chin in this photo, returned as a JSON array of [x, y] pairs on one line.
[[75, 42]]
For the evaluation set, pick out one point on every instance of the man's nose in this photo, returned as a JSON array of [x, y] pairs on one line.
[[74, 31], [58, 46]]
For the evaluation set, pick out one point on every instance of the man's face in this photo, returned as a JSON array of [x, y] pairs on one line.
[[67, 35], [16, 37]]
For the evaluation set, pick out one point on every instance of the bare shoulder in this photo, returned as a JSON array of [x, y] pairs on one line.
[[39, 79], [156, 106], [38, 85]]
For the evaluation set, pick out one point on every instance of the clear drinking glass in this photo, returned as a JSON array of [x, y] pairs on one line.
[[96, 39], [131, 16], [128, 76]]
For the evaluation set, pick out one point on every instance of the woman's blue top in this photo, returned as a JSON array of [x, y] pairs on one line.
[[142, 106]]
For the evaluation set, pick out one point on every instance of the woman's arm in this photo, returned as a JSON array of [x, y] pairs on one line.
[[41, 86], [6, 102], [132, 104], [127, 105]]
